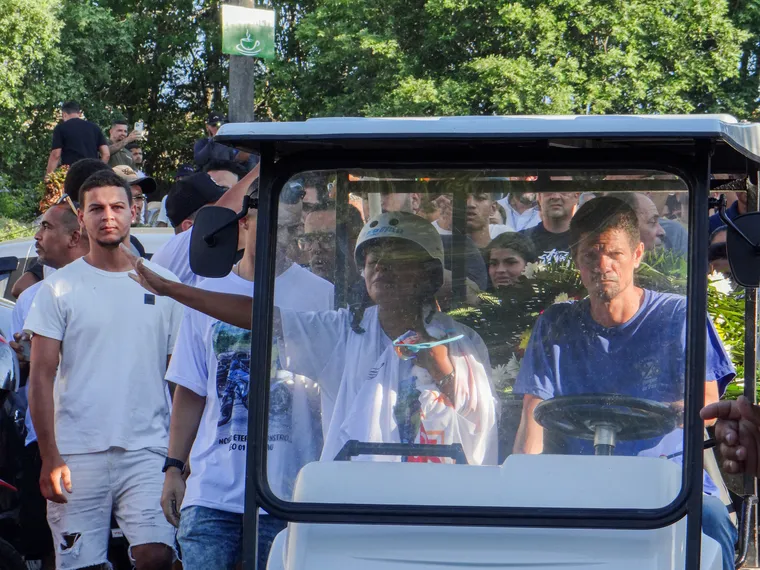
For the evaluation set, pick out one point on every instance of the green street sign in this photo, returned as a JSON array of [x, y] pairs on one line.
[[247, 31]]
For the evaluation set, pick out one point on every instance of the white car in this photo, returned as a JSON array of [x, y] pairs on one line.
[[18, 255]]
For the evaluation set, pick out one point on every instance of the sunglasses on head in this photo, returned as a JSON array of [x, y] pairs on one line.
[[69, 201], [408, 350]]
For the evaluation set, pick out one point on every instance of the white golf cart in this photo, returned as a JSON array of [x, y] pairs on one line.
[[397, 503]]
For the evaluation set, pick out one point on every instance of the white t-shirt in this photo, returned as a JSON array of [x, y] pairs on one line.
[[498, 229], [374, 392], [213, 360], [174, 255], [18, 316], [529, 218], [162, 217], [440, 230], [116, 337]]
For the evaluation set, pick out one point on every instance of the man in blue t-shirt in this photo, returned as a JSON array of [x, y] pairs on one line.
[[621, 339]]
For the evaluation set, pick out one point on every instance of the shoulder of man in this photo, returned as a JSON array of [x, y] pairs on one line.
[[673, 301]]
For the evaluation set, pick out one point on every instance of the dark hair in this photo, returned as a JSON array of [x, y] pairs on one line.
[[132, 145], [520, 243], [716, 231], [80, 171], [235, 168], [603, 214], [119, 121], [71, 107], [101, 179]]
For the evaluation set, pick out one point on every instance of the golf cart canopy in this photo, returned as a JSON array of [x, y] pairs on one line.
[[349, 427], [675, 133]]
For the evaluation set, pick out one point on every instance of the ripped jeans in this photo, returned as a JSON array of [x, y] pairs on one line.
[[126, 482]]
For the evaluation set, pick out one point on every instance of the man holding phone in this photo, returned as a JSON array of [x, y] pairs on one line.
[[118, 139], [59, 241]]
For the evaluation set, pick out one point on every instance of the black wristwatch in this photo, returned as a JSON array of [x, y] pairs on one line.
[[173, 463]]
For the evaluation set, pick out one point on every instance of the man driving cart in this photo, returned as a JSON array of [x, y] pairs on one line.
[[622, 340]]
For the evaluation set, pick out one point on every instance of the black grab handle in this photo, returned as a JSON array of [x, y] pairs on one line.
[[748, 505], [354, 448]]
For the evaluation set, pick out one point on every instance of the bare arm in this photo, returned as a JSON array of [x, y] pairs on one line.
[[45, 355], [530, 435], [105, 154], [117, 146], [187, 410], [24, 282], [53, 160], [233, 198]]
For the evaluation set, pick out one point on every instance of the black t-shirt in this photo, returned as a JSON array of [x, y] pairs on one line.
[[78, 139], [547, 241]]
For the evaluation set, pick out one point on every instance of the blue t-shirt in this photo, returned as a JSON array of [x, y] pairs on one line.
[[569, 354]]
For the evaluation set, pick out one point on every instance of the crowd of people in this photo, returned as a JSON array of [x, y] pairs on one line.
[[138, 370]]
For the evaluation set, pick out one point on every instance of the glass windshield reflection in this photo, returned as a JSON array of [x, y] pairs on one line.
[[498, 313]]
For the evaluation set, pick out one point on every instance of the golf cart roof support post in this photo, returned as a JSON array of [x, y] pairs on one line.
[[342, 252], [458, 237], [696, 345], [261, 343], [750, 379]]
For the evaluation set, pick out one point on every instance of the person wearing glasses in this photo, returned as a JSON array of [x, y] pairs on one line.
[[396, 371], [140, 186]]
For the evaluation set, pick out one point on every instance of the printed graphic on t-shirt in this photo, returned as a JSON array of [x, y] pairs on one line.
[[232, 347], [232, 350]]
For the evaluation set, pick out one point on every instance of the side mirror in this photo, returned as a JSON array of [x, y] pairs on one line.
[[213, 244], [743, 248]]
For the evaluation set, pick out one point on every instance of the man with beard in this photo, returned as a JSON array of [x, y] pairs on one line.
[[97, 393], [553, 233], [521, 210], [118, 139], [623, 340]]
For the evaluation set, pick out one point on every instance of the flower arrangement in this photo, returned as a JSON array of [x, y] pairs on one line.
[[53, 188]]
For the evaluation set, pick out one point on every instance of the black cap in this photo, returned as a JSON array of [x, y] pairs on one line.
[[189, 195], [215, 118], [183, 171]]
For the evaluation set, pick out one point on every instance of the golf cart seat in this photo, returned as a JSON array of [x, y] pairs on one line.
[[523, 481]]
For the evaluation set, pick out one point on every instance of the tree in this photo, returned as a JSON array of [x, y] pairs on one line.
[[395, 57]]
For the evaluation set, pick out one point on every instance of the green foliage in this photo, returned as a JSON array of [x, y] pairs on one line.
[[12, 229], [483, 57]]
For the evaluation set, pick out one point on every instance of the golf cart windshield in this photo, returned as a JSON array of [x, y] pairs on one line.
[[527, 326]]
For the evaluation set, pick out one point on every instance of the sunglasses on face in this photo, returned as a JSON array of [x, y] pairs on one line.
[[406, 350]]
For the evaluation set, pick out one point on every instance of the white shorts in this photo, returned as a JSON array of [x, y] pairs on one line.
[[128, 483]]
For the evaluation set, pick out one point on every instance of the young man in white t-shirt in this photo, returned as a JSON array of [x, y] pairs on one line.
[[210, 413], [97, 393]]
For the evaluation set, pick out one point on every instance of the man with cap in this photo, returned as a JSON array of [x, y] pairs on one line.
[[206, 149], [140, 187], [184, 200]]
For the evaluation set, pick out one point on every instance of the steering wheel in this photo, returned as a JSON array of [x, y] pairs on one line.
[[606, 418]]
